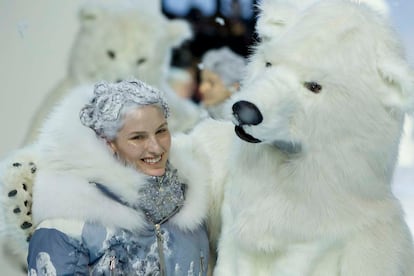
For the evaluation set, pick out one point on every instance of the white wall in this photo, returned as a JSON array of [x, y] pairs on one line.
[[36, 37]]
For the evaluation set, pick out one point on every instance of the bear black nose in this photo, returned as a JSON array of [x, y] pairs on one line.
[[247, 113]]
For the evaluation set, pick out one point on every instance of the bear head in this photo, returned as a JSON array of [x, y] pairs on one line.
[[333, 80], [124, 39]]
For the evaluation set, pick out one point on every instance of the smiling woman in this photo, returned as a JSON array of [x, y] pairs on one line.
[[119, 205]]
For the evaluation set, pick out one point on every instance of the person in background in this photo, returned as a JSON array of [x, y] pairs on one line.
[[182, 73], [111, 196], [220, 73], [182, 82]]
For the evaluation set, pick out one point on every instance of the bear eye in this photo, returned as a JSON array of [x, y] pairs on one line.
[[111, 54], [268, 64], [313, 86], [141, 61]]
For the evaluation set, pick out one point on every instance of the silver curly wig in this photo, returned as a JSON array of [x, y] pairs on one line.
[[111, 101]]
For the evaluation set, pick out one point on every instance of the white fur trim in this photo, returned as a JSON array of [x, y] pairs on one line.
[[64, 195], [72, 157]]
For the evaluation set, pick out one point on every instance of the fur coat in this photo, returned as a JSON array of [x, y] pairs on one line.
[[68, 208]]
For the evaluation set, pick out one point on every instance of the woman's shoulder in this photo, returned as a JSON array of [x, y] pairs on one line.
[[61, 246]]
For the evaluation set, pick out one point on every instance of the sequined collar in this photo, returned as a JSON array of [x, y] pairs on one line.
[[162, 196]]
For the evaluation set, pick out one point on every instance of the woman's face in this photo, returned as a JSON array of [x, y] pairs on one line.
[[212, 89], [144, 140]]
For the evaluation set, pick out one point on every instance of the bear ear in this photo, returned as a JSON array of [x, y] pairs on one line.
[[90, 13], [277, 15], [380, 6], [178, 31], [398, 75], [274, 16]]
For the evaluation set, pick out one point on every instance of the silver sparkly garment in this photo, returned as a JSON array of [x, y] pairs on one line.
[[162, 196], [109, 98]]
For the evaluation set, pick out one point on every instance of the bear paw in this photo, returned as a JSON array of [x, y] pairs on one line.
[[17, 182]]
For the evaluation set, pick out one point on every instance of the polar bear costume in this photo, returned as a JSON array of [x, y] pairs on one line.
[[118, 40], [307, 177], [319, 117]]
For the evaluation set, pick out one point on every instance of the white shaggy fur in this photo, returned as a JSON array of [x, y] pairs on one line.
[[12, 178], [72, 157], [69, 159], [208, 145], [314, 196]]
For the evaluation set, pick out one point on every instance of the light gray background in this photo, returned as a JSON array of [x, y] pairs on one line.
[[35, 39]]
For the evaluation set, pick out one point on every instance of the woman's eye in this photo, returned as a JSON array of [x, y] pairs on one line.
[[163, 130], [138, 137], [111, 54], [313, 87], [268, 64]]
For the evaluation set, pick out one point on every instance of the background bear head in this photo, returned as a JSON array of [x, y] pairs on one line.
[[125, 39]]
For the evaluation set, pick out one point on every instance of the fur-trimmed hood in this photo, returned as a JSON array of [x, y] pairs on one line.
[[71, 156]]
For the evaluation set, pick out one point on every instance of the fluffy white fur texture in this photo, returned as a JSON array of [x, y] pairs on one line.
[[71, 156], [282, 13], [208, 145], [12, 178], [325, 208]]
